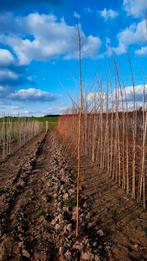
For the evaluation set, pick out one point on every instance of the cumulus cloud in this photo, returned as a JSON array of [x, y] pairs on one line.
[[15, 107], [137, 8], [11, 72], [126, 93], [134, 34], [91, 96], [24, 96], [95, 98], [14, 77], [139, 90], [32, 95], [108, 14], [6, 74], [6, 57], [14, 110], [140, 96], [61, 109], [142, 51], [41, 37], [89, 48]]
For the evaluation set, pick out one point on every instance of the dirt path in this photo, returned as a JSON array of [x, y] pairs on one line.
[[14, 162], [27, 213], [24, 193]]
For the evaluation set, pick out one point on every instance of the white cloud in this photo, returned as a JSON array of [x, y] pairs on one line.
[[139, 89], [61, 109], [1, 88], [47, 38], [134, 34], [7, 74], [29, 95], [135, 8], [13, 110], [6, 57], [139, 96], [126, 93], [108, 14], [15, 107], [32, 95], [89, 49], [91, 96], [142, 51]]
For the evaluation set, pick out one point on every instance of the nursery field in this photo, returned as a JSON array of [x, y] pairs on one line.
[[73, 130], [38, 186], [16, 131]]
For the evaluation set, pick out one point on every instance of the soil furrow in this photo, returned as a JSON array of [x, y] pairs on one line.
[[39, 214]]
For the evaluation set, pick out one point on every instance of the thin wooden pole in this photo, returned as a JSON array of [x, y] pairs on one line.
[[126, 143], [79, 130], [134, 134], [144, 133], [143, 163]]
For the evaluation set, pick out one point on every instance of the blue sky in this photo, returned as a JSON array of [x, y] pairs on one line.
[[38, 50]]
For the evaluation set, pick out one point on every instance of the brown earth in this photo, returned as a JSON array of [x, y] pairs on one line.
[[118, 215], [36, 182], [37, 203]]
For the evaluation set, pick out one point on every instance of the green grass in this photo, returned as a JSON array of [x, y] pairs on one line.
[[52, 119]]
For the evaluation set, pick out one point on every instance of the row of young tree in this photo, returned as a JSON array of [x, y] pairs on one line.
[[15, 132], [110, 130], [113, 134]]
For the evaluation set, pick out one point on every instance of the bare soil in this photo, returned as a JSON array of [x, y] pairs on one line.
[[36, 224], [118, 215]]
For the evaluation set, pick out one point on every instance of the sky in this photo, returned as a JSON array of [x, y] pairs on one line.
[[39, 70]]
